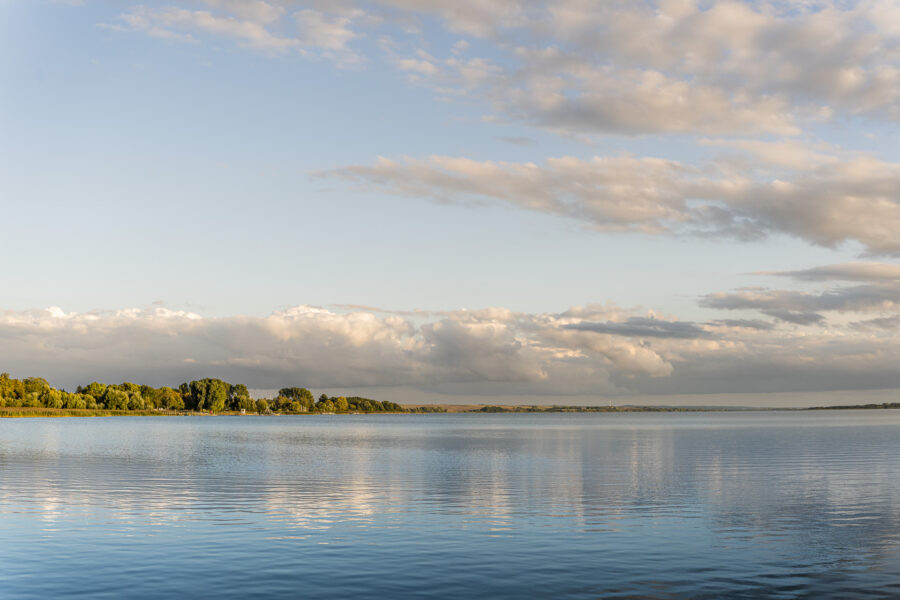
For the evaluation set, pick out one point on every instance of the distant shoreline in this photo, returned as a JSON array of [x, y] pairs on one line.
[[29, 412], [35, 397]]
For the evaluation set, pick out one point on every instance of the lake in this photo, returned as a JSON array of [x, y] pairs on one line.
[[639, 505]]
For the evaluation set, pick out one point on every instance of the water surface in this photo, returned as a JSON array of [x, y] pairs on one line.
[[781, 505]]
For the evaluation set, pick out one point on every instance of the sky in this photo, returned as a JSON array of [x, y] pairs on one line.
[[568, 201]]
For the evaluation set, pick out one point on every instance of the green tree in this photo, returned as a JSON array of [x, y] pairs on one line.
[[209, 394], [51, 398], [262, 406], [116, 399], [341, 404], [168, 398], [8, 401], [130, 387], [238, 397], [89, 401], [176, 402], [95, 389], [11, 388], [36, 384], [75, 401], [135, 400], [301, 395], [280, 404], [150, 396]]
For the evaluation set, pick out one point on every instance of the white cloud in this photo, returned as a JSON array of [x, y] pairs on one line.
[[313, 346], [473, 17], [319, 30], [856, 271], [878, 294], [657, 196], [682, 66], [584, 350], [861, 298], [572, 95], [181, 24], [249, 10], [613, 193], [579, 66], [423, 67], [791, 153], [255, 24]]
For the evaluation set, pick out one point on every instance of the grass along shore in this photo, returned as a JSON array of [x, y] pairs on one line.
[[40, 411]]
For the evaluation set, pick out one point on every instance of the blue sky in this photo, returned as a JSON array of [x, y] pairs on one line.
[[331, 194]]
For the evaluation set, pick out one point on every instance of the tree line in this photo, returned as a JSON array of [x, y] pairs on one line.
[[203, 395]]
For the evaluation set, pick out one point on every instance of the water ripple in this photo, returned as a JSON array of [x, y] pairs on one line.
[[777, 505]]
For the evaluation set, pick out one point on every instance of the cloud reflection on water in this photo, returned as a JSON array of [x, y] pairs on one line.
[[691, 492]]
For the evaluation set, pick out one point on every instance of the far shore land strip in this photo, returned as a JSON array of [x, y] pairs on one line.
[[35, 397]]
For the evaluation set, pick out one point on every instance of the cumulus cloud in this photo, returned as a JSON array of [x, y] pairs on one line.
[[322, 31], [659, 196], [886, 324], [180, 23], [794, 316], [314, 346], [857, 271], [254, 24], [722, 67], [257, 11], [473, 17], [572, 96], [583, 350], [744, 324], [595, 349], [645, 327], [879, 292], [861, 298], [789, 153], [817, 362], [616, 193]]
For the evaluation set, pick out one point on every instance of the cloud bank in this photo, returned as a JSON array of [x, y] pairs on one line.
[[593, 350]]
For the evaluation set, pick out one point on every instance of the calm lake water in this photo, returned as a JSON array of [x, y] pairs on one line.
[[780, 505]]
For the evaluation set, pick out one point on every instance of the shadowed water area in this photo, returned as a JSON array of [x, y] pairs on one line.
[[781, 505]]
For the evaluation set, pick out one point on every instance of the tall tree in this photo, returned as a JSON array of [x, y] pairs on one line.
[[209, 394], [238, 397], [301, 395], [116, 399]]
